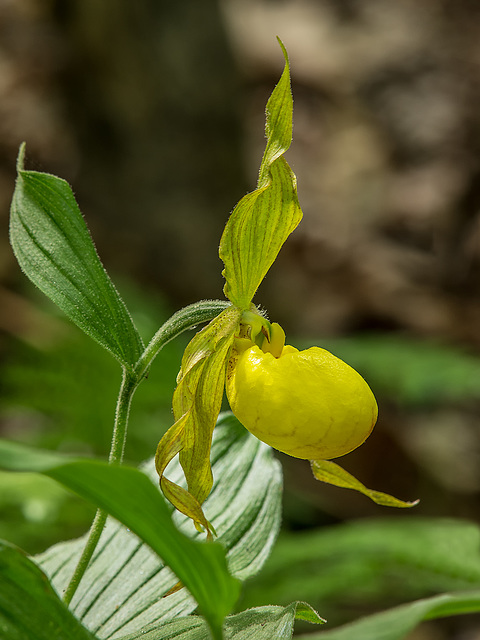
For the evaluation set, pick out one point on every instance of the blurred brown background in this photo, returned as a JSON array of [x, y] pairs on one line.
[[154, 112]]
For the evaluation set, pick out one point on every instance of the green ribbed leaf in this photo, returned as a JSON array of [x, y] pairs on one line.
[[122, 589], [29, 607], [262, 623], [263, 219], [129, 496], [53, 247]]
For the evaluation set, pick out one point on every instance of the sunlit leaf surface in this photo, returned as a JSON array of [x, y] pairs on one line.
[[123, 587], [262, 623], [132, 498]]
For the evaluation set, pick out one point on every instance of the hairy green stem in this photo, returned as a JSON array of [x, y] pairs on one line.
[[184, 319], [87, 553], [127, 389], [122, 412]]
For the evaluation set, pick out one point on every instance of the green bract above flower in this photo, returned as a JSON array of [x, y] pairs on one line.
[[308, 404], [263, 219]]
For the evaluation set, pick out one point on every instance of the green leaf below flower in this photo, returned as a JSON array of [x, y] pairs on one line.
[[123, 589], [128, 495], [260, 623], [29, 607]]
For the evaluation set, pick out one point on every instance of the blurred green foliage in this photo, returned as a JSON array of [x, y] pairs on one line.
[[411, 371], [36, 511], [352, 569]]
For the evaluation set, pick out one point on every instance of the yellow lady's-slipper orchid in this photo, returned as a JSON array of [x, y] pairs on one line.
[[308, 404]]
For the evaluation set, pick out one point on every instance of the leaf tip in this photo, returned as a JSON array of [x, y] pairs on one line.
[[304, 611], [283, 48], [21, 157]]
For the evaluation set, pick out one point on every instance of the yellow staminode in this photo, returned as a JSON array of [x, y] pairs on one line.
[[308, 404]]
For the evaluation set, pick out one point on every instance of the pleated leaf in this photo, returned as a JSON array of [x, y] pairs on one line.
[[331, 473], [29, 607], [262, 623], [122, 589], [55, 250], [133, 499], [263, 219]]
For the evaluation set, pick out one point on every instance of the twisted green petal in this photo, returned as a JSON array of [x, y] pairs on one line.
[[331, 473], [196, 404]]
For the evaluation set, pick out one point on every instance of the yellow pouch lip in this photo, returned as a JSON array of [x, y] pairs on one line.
[[294, 404]]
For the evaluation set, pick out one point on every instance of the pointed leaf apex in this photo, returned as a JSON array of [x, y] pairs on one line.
[[21, 157], [282, 46]]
